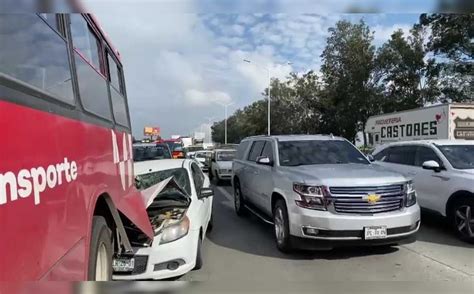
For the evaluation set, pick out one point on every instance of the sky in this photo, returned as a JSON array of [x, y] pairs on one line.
[[183, 64]]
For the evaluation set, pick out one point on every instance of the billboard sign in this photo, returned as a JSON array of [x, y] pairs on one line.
[[151, 131]]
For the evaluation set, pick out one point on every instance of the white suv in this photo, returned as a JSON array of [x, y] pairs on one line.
[[443, 175]]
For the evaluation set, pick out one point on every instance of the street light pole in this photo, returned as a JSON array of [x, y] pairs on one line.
[[269, 92], [225, 120]]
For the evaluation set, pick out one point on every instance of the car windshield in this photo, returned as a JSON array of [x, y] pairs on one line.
[[225, 156], [193, 149], [307, 152], [180, 175], [173, 145], [460, 156], [150, 152], [202, 155]]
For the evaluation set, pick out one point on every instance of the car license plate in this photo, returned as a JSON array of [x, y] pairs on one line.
[[123, 264], [379, 232]]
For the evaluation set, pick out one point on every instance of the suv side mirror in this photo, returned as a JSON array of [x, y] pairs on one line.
[[431, 165], [205, 193], [264, 160], [371, 158]]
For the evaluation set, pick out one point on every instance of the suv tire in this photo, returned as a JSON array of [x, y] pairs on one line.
[[239, 202], [462, 218], [282, 226]]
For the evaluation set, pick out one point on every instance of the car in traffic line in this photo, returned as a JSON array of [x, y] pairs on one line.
[[321, 192], [150, 151], [190, 151], [443, 175], [203, 157], [181, 214], [221, 164]]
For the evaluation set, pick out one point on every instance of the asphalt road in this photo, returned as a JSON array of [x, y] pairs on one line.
[[243, 250]]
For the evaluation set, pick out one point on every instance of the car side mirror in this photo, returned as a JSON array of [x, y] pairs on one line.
[[431, 165], [205, 193], [371, 158], [264, 160]]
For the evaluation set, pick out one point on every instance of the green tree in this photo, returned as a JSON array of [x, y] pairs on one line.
[[350, 89], [451, 42], [410, 79]]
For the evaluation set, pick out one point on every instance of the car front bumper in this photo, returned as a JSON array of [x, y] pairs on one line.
[[182, 252], [335, 230]]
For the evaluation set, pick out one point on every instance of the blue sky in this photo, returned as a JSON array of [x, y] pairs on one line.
[[180, 65]]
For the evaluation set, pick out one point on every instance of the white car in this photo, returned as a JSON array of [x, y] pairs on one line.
[[203, 159], [181, 214], [443, 175], [221, 164]]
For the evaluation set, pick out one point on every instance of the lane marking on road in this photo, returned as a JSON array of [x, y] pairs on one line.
[[226, 194]]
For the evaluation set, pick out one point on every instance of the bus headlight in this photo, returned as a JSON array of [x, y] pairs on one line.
[[175, 231]]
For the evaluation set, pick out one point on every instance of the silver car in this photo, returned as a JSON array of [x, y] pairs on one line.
[[321, 192]]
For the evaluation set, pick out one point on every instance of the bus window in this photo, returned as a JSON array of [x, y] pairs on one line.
[[114, 75], [85, 41], [35, 54], [52, 20], [92, 89], [119, 107]]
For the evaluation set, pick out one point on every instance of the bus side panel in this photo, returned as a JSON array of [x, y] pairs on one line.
[[51, 168]]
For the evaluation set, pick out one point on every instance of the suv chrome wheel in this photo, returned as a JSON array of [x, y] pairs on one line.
[[279, 226], [464, 220]]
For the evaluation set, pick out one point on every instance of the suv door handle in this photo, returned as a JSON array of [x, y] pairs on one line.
[[412, 173]]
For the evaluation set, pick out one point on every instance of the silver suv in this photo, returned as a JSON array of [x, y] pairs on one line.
[[321, 192]]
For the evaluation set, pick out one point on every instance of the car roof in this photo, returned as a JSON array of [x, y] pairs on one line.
[[283, 138], [143, 167], [225, 149], [429, 142]]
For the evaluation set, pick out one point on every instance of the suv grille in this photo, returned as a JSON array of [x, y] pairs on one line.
[[353, 199]]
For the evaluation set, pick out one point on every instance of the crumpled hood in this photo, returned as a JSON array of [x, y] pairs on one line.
[[343, 175]]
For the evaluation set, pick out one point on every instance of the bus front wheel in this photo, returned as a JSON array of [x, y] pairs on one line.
[[100, 254]]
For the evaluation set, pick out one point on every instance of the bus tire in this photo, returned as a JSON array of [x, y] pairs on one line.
[[100, 254]]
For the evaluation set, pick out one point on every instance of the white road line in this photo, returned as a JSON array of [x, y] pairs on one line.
[[226, 194]]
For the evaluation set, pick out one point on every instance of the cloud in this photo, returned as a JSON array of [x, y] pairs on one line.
[[201, 98], [177, 63], [383, 33]]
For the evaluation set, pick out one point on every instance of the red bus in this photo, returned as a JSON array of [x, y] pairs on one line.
[[67, 194]]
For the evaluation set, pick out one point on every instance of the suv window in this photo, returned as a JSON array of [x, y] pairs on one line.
[[241, 149], [198, 177], [256, 150], [402, 155], [426, 154], [268, 150]]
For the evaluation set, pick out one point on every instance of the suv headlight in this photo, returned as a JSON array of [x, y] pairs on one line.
[[311, 197], [410, 194], [175, 230]]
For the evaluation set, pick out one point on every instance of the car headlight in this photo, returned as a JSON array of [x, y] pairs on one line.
[[175, 230], [311, 197], [410, 194]]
